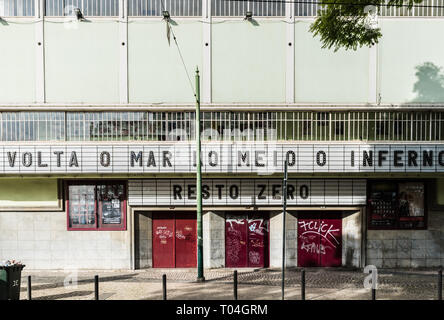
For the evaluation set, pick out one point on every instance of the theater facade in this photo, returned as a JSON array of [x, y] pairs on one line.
[[98, 152]]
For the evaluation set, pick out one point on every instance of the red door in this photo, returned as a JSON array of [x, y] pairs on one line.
[[236, 241], [163, 240], [319, 240], [186, 240], [174, 240], [246, 241], [257, 241]]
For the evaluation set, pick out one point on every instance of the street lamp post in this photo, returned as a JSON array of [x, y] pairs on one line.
[[200, 273]]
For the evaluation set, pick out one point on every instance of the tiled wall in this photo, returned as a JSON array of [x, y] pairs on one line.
[[143, 240], [40, 240], [276, 240], [214, 239], [408, 248], [352, 239]]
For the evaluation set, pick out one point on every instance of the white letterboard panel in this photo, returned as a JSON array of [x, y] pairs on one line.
[[261, 159], [233, 191], [413, 158], [335, 158], [89, 159], [120, 160], [428, 152], [398, 158], [207, 186], [305, 158], [321, 155], [177, 197], [182, 158], [151, 159], [439, 158], [262, 191], [366, 158], [382, 158], [345, 194], [350, 158], [331, 192], [303, 192], [106, 158], [275, 159], [135, 193], [275, 192], [243, 158], [74, 158], [247, 192], [27, 158], [11, 158], [219, 193]]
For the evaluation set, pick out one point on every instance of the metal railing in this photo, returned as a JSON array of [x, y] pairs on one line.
[[178, 8], [57, 8], [224, 126], [17, 8], [193, 8], [221, 8]]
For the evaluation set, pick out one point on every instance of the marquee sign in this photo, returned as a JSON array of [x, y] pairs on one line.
[[249, 192], [264, 158]]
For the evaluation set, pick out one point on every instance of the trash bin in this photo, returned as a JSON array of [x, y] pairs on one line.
[[10, 280]]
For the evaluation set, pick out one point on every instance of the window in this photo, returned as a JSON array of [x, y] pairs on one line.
[[96, 205], [95, 8], [396, 205], [238, 8], [178, 8], [17, 8], [223, 126]]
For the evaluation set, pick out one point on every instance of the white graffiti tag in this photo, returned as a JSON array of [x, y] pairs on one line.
[[322, 229], [313, 248], [258, 226], [254, 257]]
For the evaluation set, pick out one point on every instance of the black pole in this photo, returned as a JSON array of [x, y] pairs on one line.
[[235, 284], [373, 294], [164, 287], [96, 287], [284, 214], [29, 288], [440, 284], [303, 284]]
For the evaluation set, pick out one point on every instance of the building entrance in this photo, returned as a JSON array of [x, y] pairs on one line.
[[319, 239], [246, 240], [174, 240]]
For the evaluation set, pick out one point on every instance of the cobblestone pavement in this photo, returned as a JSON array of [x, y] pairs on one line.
[[253, 284]]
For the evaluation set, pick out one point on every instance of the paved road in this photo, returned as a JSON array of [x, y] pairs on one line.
[[253, 284]]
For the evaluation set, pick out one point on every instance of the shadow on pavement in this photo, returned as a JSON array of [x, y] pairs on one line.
[[65, 295], [60, 283]]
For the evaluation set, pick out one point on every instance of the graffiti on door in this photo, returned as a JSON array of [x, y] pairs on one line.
[[311, 230], [319, 240], [246, 240], [258, 226]]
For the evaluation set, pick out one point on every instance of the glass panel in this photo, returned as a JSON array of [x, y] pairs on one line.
[[111, 198], [82, 206]]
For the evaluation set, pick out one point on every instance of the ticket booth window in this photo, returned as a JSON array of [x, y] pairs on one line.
[[96, 206], [396, 205]]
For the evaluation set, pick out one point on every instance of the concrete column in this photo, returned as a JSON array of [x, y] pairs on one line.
[[143, 225], [276, 240], [351, 240], [214, 239]]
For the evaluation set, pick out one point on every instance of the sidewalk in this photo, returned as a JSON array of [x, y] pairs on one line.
[[253, 284]]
